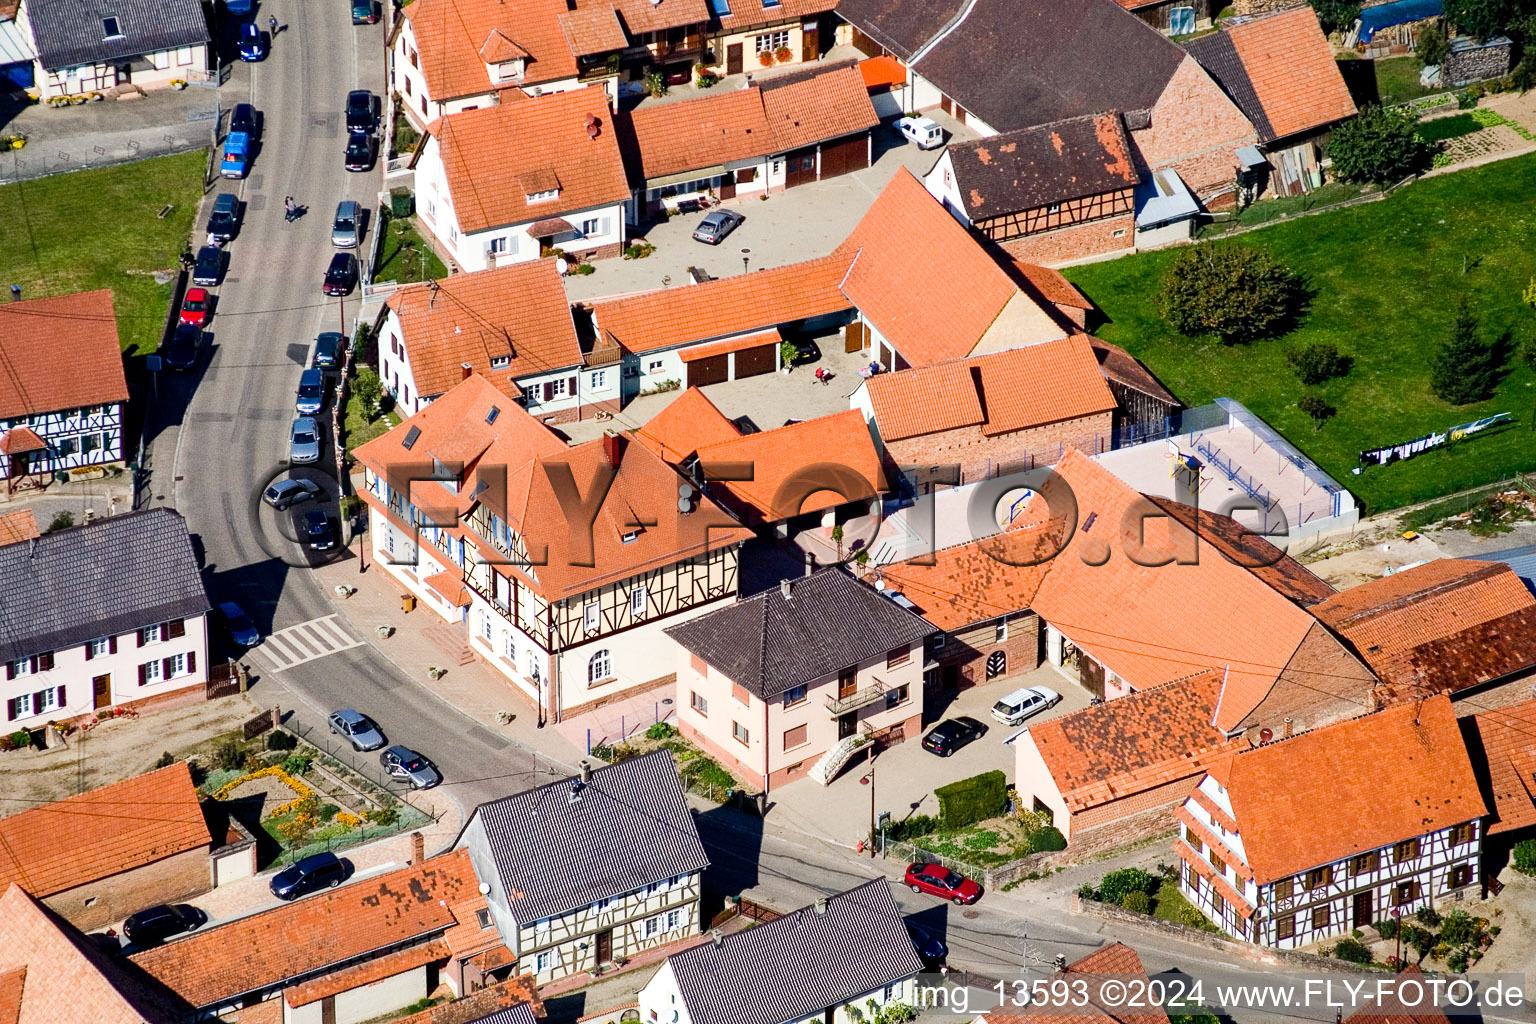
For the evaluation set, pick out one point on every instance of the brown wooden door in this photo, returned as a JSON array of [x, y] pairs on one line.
[[750, 362], [733, 63], [1365, 908], [854, 336], [101, 692], [801, 167], [847, 683], [945, 105], [710, 370], [1091, 674], [833, 162], [605, 946], [728, 186], [844, 155], [810, 48]]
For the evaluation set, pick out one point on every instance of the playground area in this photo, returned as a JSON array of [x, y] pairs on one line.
[[1225, 459]]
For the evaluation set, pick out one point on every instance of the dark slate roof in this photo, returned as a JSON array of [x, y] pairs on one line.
[[111, 577], [799, 964], [629, 828], [831, 621], [522, 1013], [901, 26], [1021, 63], [1219, 57], [70, 32], [1053, 163]]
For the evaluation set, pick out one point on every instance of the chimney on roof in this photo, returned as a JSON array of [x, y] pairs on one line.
[[783, 589], [32, 548], [1060, 963], [821, 905], [418, 848], [1265, 735], [717, 935], [611, 447], [586, 772], [1290, 726], [466, 370]]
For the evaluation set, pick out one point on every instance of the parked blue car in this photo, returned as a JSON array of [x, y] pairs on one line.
[[253, 43], [239, 7], [237, 155]]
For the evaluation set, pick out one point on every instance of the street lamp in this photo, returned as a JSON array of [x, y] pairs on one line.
[[869, 780], [746, 256], [1397, 914]]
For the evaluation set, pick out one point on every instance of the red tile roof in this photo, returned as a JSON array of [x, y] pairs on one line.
[[757, 339], [1052, 286], [450, 584], [450, 34], [1134, 743], [982, 580], [17, 526], [880, 72], [20, 440], [690, 422], [789, 464], [724, 307], [52, 973], [420, 902], [1291, 67], [1356, 785], [517, 312], [1393, 1009], [485, 172], [1015, 389], [482, 1003], [925, 283], [774, 115], [1116, 959], [593, 31], [1503, 745], [752, 13], [103, 832], [59, 353], [366, 973], [1443, 626]]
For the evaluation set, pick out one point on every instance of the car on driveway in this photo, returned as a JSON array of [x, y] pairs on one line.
[[341, 275], [952, 734], [362, 111], [357, 729], [924, 131], [311, 397], [321, 871], [245, 118], [180, 353], [942, 881], [345, 227], [237, 155], [405, 764], [194, 307], [287, 493], [328, 349], [253, 43], [241, 628], [224, 221], [715, 226], [364, 12], [314, 528], [1022, 704], [304, 441], [806, 351], [153, 925], [362, 150], [209, 267]]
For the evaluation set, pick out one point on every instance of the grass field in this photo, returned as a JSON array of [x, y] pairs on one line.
[[102, 229], [406, 256], [1397, 80], [1386, 278]]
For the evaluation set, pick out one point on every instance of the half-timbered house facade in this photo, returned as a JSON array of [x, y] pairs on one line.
[[484, 514], [62, 395], [1297, 840], [590, 870], [1047, 194]]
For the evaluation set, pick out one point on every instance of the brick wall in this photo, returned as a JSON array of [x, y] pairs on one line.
[[668, 680], [584, 411], [1321, 683], [1195, 130], [969, 649], [1072, 243], [1130, 817], [112, 899], [977, 454]]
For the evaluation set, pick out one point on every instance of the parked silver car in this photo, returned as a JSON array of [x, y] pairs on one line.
[[405, 764], [345, 227], [715, 226], [304, 441], [311, 397], [356, 728]]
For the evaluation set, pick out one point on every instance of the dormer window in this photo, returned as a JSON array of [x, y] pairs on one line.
[[544, 196], [110, 28], [500, 362], [509, 71], [540, 184]]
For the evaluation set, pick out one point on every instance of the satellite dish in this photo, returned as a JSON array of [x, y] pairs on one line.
[[684, 505], [685, 491], [879, 584], [485, 890]]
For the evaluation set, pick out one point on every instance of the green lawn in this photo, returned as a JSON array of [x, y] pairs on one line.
[[406, 256], [1397, 80], [102, 229], [359, 429], [1387, 277], [1452, 127]]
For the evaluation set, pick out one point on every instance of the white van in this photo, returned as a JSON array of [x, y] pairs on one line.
[[1021, 704], [924, 131]]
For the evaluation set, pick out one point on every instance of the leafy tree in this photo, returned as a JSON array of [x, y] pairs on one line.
[[1432, 45], [1336, 15], [1524, 856], [1466, 369], [1318, 362], [1353, 950], [1136, 901], [369, 390], [1483, 18], [1379, 145], [62, 521], [1114, 886], [1046, 840], [1318, 409], [1237, 292]]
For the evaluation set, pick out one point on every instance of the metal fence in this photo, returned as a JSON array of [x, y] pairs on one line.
[[913, 853]]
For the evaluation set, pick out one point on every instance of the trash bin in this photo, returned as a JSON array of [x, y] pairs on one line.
[[407, 602]]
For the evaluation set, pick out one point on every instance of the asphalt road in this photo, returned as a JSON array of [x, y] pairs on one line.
[[230, 419]]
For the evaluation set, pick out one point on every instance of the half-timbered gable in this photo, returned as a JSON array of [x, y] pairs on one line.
[[592, 869], [1294, 841], [63, 389]]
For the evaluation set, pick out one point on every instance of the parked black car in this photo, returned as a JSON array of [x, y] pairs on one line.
[[362, 111], [153, 925], [952, 734], [362, 150], [328, 350], [224, 221], [245, 118], [340, 276], [180, 353], [322, 871], [209, 268], [314, 528]]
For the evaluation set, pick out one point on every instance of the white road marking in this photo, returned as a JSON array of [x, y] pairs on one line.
[[307, 641]]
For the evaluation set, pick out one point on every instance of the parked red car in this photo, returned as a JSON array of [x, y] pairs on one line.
[[194, 308], [941, 881]]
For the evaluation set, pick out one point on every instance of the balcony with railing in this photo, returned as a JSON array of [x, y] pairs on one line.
[[850, 699]]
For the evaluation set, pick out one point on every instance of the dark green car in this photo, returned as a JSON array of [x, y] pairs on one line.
[[364, 12]]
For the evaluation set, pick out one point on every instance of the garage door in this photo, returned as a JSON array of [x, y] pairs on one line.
[[711, 370], [801, 167], [752, 361], [844, 156]]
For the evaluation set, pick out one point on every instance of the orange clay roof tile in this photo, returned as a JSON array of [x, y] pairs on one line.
[[688, 423], [1507, 764], [59, 353], [17, 526]]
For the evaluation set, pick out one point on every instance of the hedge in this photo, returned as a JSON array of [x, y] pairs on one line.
[[971, 800]]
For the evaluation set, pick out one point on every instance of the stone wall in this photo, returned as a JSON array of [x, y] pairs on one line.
[[1075, 242], [980, 456], [108, 900], [1468, 62]]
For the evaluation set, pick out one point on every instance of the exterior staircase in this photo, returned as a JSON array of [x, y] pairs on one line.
[[452, 640], [832, 762]]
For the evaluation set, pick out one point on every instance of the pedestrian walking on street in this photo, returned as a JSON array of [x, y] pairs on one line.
[[272, 24], [289, 208]]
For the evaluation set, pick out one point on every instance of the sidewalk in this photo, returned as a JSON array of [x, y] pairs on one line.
[[476, 689]]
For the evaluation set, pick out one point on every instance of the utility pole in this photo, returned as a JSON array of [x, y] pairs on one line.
[[869, 780]]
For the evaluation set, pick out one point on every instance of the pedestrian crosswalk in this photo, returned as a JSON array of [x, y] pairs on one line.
[[305, 642]]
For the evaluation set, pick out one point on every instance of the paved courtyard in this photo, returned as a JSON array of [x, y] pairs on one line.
[[797, 224], [906, 774]]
